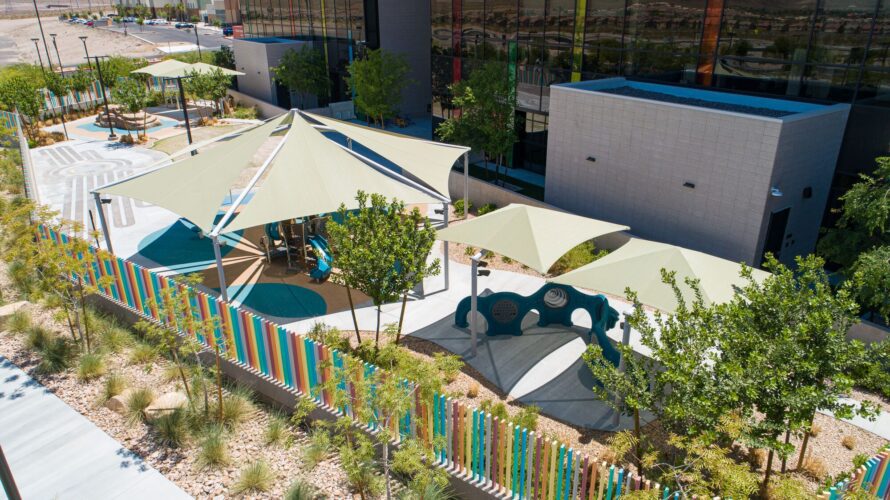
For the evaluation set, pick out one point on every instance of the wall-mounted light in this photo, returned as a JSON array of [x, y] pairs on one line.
[[689, 185], [106, 200], [591, 159], [484, 272], [775, 192]]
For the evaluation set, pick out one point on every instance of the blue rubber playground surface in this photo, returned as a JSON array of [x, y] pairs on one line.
[[278, 300], [178, 246]]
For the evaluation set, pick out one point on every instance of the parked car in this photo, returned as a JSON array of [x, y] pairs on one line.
[[160, 21], [227, 31], [129, 19], [90, 23], [184, 25]]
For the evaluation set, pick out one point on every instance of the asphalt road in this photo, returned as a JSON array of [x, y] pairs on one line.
[[161, 35]]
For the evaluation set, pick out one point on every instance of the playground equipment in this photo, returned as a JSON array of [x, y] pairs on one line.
[[322, 252], [504, 312]]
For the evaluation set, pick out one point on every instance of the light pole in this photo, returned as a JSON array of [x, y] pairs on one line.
[[198, 43], [62, 73], [185, 112], [39, 57], [83, 39], [111, 135], [45, 46]]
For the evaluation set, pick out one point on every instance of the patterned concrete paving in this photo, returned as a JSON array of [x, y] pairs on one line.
[[55, 452]]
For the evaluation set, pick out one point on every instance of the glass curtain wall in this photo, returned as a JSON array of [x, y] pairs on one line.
[[829, 50]]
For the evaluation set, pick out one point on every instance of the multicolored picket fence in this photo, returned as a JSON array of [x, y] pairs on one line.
[[495, 454], [872, 477]]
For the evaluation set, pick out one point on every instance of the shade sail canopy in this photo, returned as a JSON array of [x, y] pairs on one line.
[[536, 237], [201, 67], [170, 68], [196, 186], [638, 263], [310, 175], [428, 161]]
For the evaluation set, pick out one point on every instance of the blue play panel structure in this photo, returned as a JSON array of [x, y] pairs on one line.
[[179, 246], [279, 300], [504, 313]]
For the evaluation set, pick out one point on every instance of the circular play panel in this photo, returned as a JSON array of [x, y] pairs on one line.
[[179, 244], [279, 300]]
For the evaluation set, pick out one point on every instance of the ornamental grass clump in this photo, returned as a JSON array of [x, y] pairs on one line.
[[255, 478], [214, 451], [137, 403], [113, 386], [172, 429], [19, 322], [91, 366]]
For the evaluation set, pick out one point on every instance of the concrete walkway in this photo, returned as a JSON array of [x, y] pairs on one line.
[[55, 452]]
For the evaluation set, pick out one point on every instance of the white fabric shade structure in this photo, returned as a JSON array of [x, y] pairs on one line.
[[638, 263], [171, 68], [312, 174], [307, 173], [534, 236], [196, 186], [428, 161]]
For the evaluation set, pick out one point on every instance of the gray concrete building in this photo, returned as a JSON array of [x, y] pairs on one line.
[[255, 57], [727, 174]]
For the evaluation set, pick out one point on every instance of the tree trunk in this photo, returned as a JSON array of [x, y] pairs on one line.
[[803, 445], [219, 384], [766, 476], [386, 468], [637, 435], [354, 319], [402, 317], [785, 458], [185, 384], [86, 319], [70, 324], [377, 334]]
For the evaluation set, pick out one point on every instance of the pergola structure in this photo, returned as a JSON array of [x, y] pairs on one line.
[[306, 173]]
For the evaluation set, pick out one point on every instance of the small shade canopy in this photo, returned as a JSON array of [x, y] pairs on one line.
[[171, 68], [196, 186], [428, 161], [536, 237], [311, 174], [638, 263]]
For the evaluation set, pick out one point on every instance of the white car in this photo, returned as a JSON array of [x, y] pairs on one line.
[[159, 21]]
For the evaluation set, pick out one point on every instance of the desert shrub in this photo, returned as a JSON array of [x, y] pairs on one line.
[[236, 407], [276, 430], [786, 487], [359, 464], [459, 207], [486, 209], [143, 354], [473, 390], [814, 467], [302, 410], [329, 336], [38, 337], [138, 401], [469, 251], [448, 365], [214, 451], [527, 418], [506, 260], [301, 490], [873, 374], [172, 428], [115, 338], [22, 277], [815, 430], [243, 113], [19, 322], [581, 255], [256, 477], [495, 409], [114, 385], [318, 449], [91, 366], [849, 442], [55, 356]]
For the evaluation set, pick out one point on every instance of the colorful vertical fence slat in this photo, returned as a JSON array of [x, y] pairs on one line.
[[872, 477], [496, 454]]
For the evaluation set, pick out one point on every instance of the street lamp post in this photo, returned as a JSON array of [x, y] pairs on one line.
[[40, 25], [39, 57], [111, 134], [198, 43], [62, 73], [185, 112], [83, 39]]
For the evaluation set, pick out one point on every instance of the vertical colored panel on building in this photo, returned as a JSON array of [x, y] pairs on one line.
[[704, 72], [456, 37], [578, 39]]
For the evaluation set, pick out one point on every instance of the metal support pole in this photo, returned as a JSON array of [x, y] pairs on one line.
[[625, 339], [466, 183], [219, 269], [198, 43], [103, 221], [474, 294], [111, 134], [185, 113], [445, 264], [62, 99]]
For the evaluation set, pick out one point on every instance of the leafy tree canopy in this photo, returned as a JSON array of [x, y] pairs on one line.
[[304, 71], [378, 80]]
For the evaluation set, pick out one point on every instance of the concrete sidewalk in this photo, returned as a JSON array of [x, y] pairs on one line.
[[55, 452]]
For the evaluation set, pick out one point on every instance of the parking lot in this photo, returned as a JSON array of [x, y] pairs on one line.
[[167, 36]]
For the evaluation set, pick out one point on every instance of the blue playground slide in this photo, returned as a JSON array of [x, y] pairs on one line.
[[323, 258]]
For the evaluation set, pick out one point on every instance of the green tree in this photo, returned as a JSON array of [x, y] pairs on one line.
[[787, 338], [304, 71], [224, 57], [487, 103], [81, 81], [116, 68], [59, 86], [381, 250], [22, 94], [378, 80], [860, 240], [132, 95], [217, 87]]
